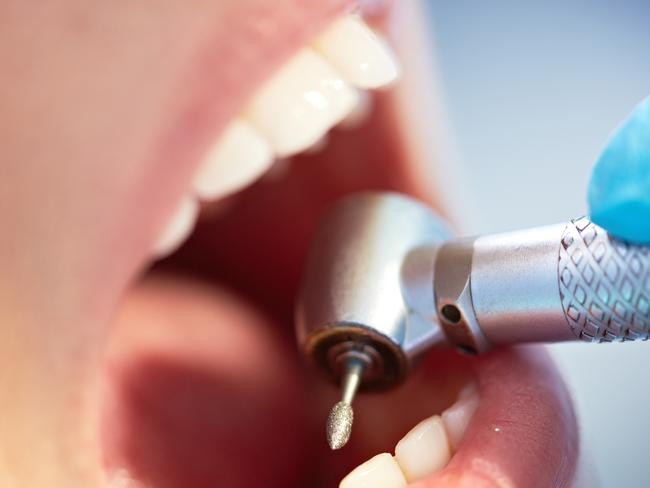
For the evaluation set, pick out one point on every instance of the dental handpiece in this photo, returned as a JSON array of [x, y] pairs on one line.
[[384, 283]]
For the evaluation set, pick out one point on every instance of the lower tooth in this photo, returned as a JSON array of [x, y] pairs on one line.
[[424, 449], [468, 391], [456, 418], [427, 448], [382, 471], [179, 227], [240, 156]]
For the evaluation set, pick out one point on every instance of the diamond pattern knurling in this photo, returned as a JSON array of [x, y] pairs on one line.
[[604, 284]]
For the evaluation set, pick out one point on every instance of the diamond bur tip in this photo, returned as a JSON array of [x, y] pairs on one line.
[[339, 425]]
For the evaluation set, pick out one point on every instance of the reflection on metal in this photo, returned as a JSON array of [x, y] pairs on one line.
[[383, 284]]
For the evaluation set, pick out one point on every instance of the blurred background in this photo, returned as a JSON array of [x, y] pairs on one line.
[[532, 91]]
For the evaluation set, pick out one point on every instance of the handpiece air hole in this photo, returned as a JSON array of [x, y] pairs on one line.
[[451, 313]]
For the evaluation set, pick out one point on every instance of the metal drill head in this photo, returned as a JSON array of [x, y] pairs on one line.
[[367, 287], [339, 425]]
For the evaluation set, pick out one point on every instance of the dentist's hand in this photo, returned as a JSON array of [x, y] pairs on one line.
[[619, 191]]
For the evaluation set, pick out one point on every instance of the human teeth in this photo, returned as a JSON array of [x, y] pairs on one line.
[[320, 87], [424, 449], [358, 53], [300, 103], [456, 418], [382, 471], [179, 227], [468, 391], [427, 448], [239, 157], [359, 114], [296, 107], [319, 146]]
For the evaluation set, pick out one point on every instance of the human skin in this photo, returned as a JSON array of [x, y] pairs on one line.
[[105, 111]]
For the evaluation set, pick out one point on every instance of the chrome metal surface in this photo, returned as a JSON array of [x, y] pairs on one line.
[[382, 285], [453, 297], [604, 284], [514, 286], [418, 285], [351, 380], [354, 296]]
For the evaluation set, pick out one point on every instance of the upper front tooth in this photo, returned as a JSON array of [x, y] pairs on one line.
[[239, 157], [382, 471], [424, 449], [179, 227], [360, 114], [358, 53], [300, 103]]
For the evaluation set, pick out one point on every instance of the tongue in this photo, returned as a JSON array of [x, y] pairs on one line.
[[199, 392]]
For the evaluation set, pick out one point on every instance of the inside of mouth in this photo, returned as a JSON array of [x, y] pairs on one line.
[[203, 379]]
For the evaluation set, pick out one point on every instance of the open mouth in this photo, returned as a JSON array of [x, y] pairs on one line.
[[203, 385]]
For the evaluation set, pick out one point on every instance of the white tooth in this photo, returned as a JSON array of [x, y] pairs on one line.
[[382, 471], [300, 103], [179, 227], [468, 391], [424, 449], [360, 114], [363, 58], [319, 146], [239, 157], [456, 418]]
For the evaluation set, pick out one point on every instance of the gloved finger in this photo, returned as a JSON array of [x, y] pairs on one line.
[[619, 191]]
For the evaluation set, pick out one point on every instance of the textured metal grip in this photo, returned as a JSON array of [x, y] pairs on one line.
[[604, 284]]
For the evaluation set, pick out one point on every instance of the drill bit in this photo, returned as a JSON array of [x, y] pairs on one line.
[[339, 421]]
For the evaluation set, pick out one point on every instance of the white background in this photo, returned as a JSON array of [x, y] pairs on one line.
[[532, 90]]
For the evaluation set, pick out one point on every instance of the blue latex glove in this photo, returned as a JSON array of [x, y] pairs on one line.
[[619, 191]]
